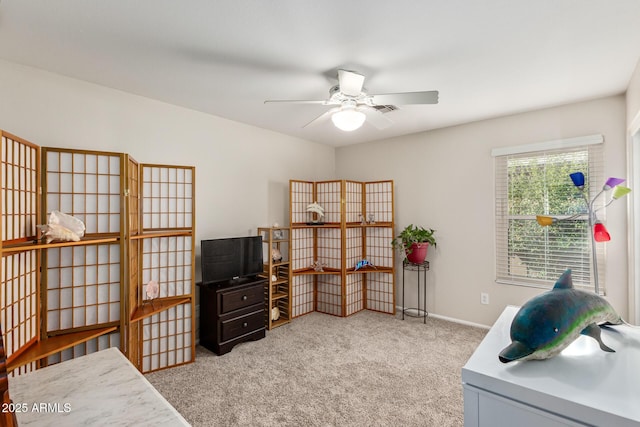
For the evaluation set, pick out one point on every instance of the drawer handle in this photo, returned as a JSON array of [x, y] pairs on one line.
[[245, 324], [244, 297]]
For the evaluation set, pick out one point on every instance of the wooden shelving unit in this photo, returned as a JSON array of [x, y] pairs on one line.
[[277, 273], [21, 260], [157, 306], [61, 300], [36, 244], [56, 344], [358, 224], [161, 225], [82, 282]]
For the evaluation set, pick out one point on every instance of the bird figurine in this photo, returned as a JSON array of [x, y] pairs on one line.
[[317, 209], [362, 264]]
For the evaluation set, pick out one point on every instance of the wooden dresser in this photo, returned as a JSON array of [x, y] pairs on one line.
[[231, 313]]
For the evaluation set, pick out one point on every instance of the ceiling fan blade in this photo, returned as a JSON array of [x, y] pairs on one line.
[[350, 83], [294, 101], [377, 119], [406, 98], [321, 118]]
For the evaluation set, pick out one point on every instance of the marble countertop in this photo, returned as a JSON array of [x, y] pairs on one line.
[[583, 382], [102, 388]]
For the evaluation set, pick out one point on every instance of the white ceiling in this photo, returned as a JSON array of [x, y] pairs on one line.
[[225, 57]]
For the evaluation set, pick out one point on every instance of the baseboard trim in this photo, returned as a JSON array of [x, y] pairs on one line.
[[415, 313]]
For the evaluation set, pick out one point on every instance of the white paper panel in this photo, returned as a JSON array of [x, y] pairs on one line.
[[167, 338]]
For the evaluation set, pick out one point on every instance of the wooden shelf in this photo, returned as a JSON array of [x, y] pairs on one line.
[[40, 350], [150, 308], [279, 295], [324, 225], [277, 292], [279, 322], [277, 264], [278, 281], [370, 270], [35, 244], [376, 224], [311, 271], [161, 233]]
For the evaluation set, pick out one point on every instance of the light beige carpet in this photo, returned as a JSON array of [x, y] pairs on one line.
[[369, 369]]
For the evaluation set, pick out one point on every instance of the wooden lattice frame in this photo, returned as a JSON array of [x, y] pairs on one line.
[[133, 229], [20, 187], [166, 232], [358, 224], [88, 185], [167, 338], [20, 202], [92, 345], [101, 189], [354, 288], [302, 296]]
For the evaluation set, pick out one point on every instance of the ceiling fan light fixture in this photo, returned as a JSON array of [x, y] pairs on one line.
[[348, 119]]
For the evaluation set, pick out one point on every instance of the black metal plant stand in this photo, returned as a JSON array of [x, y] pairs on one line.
[[422, 267]]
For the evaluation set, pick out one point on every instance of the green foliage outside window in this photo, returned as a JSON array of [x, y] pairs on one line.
[[540, 185]]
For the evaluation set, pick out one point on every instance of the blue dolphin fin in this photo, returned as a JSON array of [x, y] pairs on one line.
[[565, 281], [593, 331], [514, 351]]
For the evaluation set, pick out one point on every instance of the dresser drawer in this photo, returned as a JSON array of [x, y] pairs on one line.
[[238, 326], [239, 298]]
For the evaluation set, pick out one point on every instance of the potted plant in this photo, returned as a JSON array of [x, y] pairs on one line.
[[414, 241]]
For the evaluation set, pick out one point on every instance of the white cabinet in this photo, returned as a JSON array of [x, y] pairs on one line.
[[582, 386]]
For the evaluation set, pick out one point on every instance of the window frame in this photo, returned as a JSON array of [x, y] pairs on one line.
[[503, 248]]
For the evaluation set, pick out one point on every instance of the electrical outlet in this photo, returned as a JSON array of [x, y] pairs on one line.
[[484, 298]]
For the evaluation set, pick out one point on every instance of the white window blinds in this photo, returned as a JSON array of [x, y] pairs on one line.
[[538, 183]]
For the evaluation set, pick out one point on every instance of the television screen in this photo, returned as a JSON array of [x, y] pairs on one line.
[[230, 258]]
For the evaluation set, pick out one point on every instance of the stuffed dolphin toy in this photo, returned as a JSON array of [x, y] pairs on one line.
[[549, 322]]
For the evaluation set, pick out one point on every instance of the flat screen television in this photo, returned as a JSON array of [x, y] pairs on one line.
[[230, 259]]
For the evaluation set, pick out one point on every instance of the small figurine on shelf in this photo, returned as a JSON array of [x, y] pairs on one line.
[[62, 227], [152, 291], [315, 208], [372, 218], [276, 255], [362, 220], [277, 234], [318, 266], [362, 264]]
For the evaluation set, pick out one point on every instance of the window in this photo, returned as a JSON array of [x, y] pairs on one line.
[[534, 180]]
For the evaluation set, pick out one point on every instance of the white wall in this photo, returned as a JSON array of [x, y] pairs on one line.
[[242, 172], [444, 179], [633, 96], [633, 155]]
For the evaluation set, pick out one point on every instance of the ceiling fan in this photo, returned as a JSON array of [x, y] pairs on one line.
[[353, 105]]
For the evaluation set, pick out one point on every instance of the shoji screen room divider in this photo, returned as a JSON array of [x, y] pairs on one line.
[[86, 293], [357, 225]]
